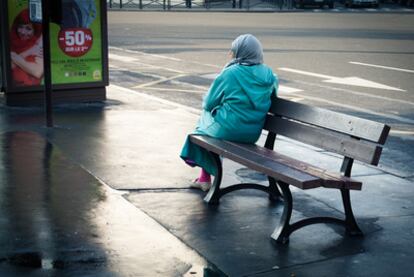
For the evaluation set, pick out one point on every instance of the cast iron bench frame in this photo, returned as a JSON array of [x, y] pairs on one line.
[[352, 137]]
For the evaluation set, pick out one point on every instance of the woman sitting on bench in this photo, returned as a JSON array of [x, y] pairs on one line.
[[235, 106]]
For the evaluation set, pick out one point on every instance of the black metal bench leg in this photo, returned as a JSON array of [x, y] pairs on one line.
[[274, 193], [214, 193], [285, 229], [350, 222], [281, 234]]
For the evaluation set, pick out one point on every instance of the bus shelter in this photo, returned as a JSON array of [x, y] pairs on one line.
[[79, 52]]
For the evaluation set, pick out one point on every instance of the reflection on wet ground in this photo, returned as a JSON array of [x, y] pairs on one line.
[[46, 207], [58, 220]]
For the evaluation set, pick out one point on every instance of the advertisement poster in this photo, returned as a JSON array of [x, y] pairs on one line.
[[76, 44], [26, 51]]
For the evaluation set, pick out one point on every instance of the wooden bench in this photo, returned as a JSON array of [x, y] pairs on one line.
[[352, 137]]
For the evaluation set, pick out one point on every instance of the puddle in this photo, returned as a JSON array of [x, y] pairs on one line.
[[249, 174]]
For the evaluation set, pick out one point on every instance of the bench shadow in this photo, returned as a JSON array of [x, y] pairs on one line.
[[235, 235]]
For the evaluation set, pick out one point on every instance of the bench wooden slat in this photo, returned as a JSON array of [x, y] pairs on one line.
[[325, 139], [355, 126], [271, 168], [330, 179], [273, 164]]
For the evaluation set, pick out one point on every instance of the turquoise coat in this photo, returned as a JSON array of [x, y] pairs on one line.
[[234, 109]]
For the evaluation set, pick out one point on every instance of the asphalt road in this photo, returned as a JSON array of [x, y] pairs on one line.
[[357, 63]]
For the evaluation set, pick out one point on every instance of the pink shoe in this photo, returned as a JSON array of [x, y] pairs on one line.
[[204, 186]]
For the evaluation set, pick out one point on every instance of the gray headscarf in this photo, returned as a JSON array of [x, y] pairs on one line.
[[247, 50]]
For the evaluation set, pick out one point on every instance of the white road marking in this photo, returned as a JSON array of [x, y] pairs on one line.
[[121, 58], [384, 67], [402, 132], [155, 76], [285, 89], [206, 64], [174, 89], [160, 81], [193, 85], [210, 76], [193, 110], [162, 56], [405, 102], [351, 81], [295, 99], [395, 117], [136, 61], [306, 73], [142, 53]]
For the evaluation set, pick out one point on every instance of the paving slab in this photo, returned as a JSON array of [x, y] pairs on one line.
[[387, 252], [382, 195]]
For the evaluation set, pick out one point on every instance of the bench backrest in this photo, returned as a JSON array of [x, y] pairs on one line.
[[349, 136]]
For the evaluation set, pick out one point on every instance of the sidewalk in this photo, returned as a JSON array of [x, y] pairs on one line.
[[104, 193]]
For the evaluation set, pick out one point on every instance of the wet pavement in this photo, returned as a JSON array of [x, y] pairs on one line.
[[59, 220], [105, 194]]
